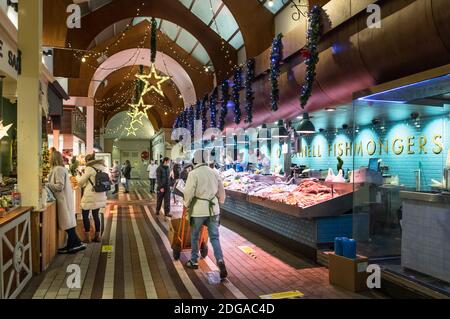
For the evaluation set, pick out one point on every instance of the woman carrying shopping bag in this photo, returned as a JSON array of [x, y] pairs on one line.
[[61, 187]]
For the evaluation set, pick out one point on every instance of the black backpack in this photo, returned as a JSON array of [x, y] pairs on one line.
[[102, 182]]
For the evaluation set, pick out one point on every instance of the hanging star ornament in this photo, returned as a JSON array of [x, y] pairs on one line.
[[153, 75], [4, 130], [138, 111], [131, 130]]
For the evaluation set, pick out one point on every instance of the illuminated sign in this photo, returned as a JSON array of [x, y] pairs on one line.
[[410, 145]]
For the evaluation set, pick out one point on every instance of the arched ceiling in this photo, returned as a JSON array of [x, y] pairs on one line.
[[172, 10], [164, 64], [193, 33], [119, 93], [133, 38], [181, 37]]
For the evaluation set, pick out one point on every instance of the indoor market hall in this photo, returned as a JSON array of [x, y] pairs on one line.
[[224, 157]]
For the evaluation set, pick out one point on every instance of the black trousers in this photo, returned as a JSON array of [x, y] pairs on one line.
[[152, 184], [163, 197], [72, 238], [87, 222]]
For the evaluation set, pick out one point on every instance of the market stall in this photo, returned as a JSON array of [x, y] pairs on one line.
[[15, 252], [305, 213], [46, 237]]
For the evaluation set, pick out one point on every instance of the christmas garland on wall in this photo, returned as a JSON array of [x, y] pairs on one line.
[[153, 38], [184, 119], [276, 56], [204, 113], [310, 53], [198, 111], [213, 107], [249, 95], [224, 103], [191, 120], [237, 87]]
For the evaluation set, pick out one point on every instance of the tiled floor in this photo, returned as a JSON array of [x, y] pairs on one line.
[[135, 261]]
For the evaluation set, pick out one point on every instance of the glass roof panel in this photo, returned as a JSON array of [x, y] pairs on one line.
[[201, 54], [183, 38], [170, 29], [186, 40], [216, 15], [205, 10], [238, 41], [186, 3], [226, 26]]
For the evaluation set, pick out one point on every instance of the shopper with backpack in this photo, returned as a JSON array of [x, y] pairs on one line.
[[96, 183]]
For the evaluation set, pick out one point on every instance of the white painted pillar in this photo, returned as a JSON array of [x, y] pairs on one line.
[[89, 129], [29, 113]]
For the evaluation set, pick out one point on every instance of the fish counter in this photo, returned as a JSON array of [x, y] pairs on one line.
[[305, 214]]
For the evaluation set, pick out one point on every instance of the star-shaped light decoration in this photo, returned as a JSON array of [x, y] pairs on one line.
[[4, 130], [138, 111], [131, 130], [159, 79]]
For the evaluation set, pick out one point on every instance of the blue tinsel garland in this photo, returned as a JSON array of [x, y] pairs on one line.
[[191, 120], [224, 103], [249, 95], [213, 107], [276, 56], [198, 110], [237, 87], [184, 119], [313, 37], [204, 112]]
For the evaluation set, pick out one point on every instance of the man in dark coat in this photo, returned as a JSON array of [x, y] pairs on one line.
[[126, 173], [163, 187]]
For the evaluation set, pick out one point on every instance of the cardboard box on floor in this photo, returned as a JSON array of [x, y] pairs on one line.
[[346, 273]]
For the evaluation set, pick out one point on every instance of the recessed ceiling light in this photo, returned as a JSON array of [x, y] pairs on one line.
[[270, 3]]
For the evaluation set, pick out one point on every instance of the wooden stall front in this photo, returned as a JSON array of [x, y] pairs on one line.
[[46, 237], [15, 252]]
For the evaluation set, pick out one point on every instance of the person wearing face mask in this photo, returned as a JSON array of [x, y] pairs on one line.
[[163, 187]]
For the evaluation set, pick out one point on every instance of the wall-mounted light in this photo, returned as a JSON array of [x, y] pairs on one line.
[[264, 134], [282, 131]]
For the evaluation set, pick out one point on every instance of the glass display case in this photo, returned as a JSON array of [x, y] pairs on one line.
[[401, 145]]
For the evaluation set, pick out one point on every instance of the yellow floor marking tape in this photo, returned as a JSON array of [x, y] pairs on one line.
[[107, 249], [283, 295], [246, 249]]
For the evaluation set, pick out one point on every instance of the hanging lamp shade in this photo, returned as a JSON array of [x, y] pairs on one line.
[[306, 126], [282, 131], [264, 134]]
